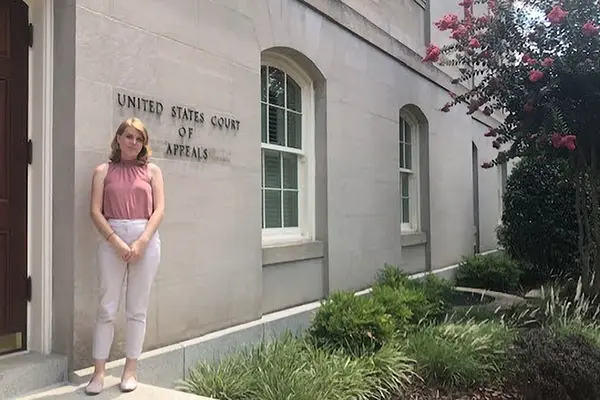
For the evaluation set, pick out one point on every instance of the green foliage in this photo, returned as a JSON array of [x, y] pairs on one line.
[[557, 367], [391, 276], [494, 272], [461, 355], [539, 222], [292, 369], [427, 298], [357, 324], [398, 304]]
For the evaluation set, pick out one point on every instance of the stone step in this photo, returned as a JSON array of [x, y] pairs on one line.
[[25, 373], [111, 391]]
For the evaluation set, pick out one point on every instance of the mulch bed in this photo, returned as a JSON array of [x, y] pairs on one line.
[[422, 393]]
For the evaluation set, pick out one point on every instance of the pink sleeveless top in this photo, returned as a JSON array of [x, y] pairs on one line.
[[127, 191]]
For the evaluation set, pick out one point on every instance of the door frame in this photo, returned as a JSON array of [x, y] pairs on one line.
[[39, 249]]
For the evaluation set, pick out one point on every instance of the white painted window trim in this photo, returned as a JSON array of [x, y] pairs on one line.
[[306, 168], [414, 225]]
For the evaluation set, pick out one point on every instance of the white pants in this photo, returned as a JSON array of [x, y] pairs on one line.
[[113, 271]]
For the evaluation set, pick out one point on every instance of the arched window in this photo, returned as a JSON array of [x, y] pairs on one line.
[[287, 156], [409, 172]]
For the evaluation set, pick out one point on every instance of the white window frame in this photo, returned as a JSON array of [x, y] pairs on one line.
[[306, 160], [413, 226]]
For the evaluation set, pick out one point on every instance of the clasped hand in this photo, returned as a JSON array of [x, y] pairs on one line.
[[133, 253]]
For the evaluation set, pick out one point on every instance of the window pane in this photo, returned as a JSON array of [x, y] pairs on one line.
[[272, 168], [263, 83], [276, 126], [290, 208], [401, 155], [405, 211], [407, 132], [294, 125], [263, 111], [272, 208], [290, 171], [276, 86], [407, 156], [404, 181], [294, 95]]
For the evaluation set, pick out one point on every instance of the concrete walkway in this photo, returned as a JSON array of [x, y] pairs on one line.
[[111, 391]]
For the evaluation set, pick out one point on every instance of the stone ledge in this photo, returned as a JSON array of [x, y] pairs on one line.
[[164, 367], [111, 391], [25, 373]]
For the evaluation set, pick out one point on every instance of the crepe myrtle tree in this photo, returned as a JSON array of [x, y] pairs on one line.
[[536, 62]]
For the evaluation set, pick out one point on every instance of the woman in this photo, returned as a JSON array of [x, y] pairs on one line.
[[127, 206]]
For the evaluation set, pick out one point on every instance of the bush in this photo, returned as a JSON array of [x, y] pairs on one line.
[[292, 369], [357, 324], [391, 276], [555, 367], [398, 304], [539, 222], [494, 272], [427, 298], [462, 355]]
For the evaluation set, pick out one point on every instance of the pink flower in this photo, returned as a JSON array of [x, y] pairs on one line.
[[491, 4], [548, 62], [474, 43], [487, 165], [491, 133], [528, 107], [528, 60], [589, 29], [432, 53], [557, 15], [448, 21], [452, 94], [535, 75], [466, 3], [567, 141], [459, 32]]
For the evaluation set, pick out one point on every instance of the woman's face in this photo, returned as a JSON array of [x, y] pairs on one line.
[[130, 143]]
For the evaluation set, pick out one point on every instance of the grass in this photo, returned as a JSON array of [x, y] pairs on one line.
[[461, 355], [292, 369]]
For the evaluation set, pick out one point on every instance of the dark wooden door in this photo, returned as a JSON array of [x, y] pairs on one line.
[[14, 53]]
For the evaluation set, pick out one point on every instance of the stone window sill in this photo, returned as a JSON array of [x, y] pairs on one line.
[[285, 253], [414, 239]]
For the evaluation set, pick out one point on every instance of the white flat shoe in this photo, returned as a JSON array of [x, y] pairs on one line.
[[128, 385], [94, 387]]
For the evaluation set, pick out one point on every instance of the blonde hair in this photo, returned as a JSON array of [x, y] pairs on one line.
[[138, 125]]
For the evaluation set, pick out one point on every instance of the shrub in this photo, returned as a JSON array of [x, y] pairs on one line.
[[357, 324], [461, 355], [398, 304], [391, 276], [427, 298], [493, 272], [556, 367], [539, 222], [292, 369], [439, 292]]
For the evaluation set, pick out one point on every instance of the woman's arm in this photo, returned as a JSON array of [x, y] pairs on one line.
[[138, 247], [100, 222]]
